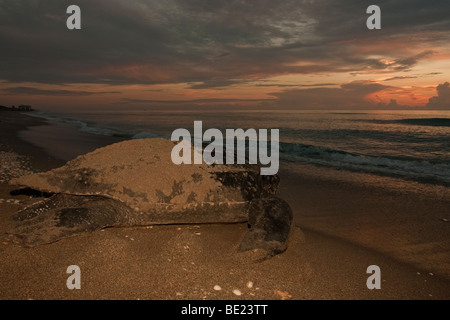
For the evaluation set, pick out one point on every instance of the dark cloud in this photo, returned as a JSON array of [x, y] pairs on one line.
[[295, 85], [339, 19], [41, 92], [399, 78], [193, 101], [442, 100], [349, 95], [408, 62], [216, 83], [211, 44]]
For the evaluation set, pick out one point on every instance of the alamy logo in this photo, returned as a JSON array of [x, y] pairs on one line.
[[374, 281], [215, 152], [74, 21], [74, 280]]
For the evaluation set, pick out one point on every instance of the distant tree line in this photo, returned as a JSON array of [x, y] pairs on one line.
[[21, 107]]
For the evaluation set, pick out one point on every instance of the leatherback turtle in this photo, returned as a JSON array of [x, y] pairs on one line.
[[135, 183]]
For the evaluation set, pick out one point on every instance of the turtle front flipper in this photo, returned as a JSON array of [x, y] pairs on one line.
[[270, 220], [64, 215]]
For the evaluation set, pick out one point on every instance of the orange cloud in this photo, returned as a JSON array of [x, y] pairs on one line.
[[406, 96]]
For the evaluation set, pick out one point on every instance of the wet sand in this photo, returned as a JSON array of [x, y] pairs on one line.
[[404, 220], [342, 229]]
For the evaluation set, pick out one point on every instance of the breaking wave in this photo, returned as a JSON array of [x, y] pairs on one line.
[[413, 168], [93, 128]]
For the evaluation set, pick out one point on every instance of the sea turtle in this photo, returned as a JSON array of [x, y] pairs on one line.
[[135, 183]]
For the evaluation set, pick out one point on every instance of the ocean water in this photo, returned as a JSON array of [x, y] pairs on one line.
[[413, 145]]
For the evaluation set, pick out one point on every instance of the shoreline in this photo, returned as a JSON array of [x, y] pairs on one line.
[[13, 122], [391, 216], [60, 141], [325, 261]]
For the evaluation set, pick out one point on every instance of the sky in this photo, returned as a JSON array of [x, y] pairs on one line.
[[275, 54]]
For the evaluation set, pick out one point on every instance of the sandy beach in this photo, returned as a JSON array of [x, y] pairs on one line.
[[341, 228]]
